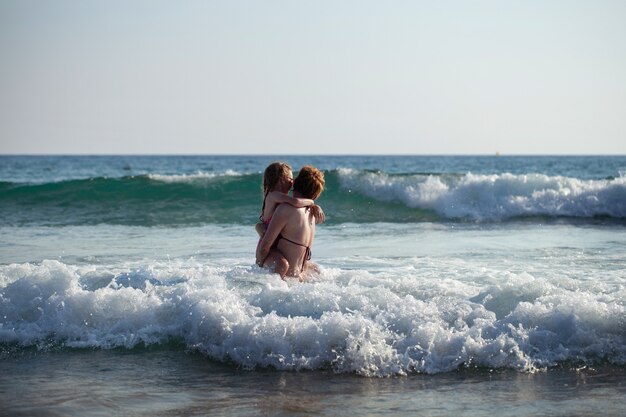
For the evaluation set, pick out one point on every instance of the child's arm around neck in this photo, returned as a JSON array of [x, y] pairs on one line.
[[276, 197]]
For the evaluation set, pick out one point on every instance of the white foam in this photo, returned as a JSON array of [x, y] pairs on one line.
[[375, 324], [495, 197], [188, 178]]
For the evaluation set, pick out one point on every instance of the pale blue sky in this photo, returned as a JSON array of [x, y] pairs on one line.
[[287, 77]]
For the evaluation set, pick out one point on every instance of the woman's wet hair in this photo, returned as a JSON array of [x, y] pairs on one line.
[[309, 182], [273, 173]]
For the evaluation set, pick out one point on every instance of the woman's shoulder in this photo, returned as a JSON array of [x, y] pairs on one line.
[[287, 210]]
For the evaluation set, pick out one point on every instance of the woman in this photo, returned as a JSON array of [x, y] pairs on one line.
[[286, 245]]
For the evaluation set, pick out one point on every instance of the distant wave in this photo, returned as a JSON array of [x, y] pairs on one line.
[[494, 197], [347, 321], [350, 196], [145, 200], [190, 178]]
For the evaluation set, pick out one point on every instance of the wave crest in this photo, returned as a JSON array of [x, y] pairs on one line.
[[191, 178], [494, 197]]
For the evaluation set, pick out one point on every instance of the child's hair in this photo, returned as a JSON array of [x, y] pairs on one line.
[[309, 182], [273, 173]]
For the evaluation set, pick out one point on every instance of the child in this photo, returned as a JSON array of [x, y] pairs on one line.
[[277, 181]]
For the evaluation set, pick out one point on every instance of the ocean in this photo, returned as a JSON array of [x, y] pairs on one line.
[[449, 285]]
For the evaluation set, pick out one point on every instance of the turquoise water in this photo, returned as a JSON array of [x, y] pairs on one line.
[[178, 191], [481, 277]]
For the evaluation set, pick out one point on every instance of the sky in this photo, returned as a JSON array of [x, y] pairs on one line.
[[313, 77]]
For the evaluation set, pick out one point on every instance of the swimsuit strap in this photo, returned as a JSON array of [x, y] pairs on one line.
[[307, 249], [289, 240]]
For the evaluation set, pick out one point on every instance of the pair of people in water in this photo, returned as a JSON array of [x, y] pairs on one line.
[[287, 223]]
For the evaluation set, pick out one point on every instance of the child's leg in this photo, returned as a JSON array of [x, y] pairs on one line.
[[260, 228], [277, 263], [310, 268]]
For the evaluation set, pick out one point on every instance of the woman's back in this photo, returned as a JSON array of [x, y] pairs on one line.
[[296, 237]]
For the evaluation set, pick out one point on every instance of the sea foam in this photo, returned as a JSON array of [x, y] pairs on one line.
[[349, 321], [494, 197], [190, 178]]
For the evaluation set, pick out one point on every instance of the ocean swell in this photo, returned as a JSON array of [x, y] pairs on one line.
[[353, 196]]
